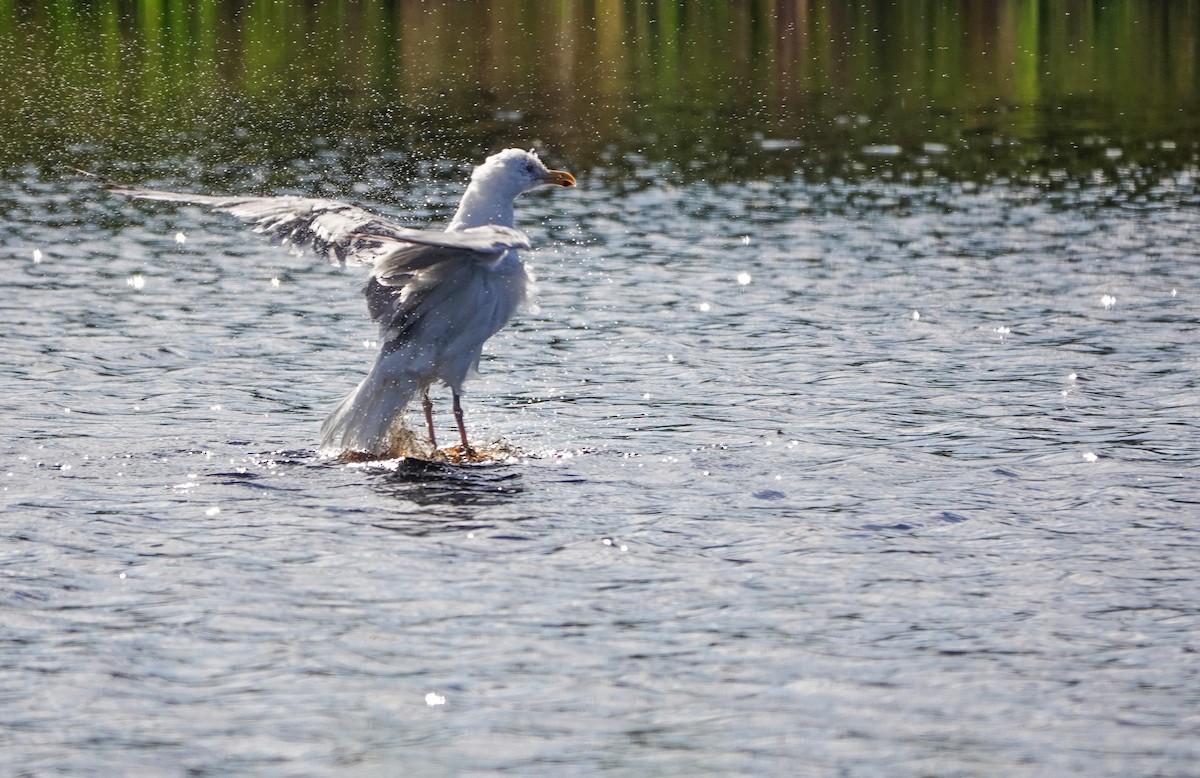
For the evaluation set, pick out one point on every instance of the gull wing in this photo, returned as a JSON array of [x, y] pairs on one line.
[[338, 231], [443, 278], [414, 272], [484, 240]]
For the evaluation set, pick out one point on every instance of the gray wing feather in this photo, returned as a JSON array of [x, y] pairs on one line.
[[416, 274], [338, 231], [486, 240], [413, 281]]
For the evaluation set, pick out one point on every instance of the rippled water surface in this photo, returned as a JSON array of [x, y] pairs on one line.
[[855, 434], [804, 485]]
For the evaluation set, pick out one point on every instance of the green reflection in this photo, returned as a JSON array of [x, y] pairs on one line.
[[704, 87]]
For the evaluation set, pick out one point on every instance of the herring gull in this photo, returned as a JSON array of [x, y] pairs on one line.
[[437, 295]]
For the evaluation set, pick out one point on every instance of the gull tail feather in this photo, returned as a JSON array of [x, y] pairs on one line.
[[363, 422]]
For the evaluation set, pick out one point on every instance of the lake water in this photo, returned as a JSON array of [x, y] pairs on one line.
[[866, 445]]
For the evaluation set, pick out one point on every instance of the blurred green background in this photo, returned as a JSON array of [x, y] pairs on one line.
[[714, 89]]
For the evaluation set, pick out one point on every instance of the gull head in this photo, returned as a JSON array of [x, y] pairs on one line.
[[497, 182], [514, 171]]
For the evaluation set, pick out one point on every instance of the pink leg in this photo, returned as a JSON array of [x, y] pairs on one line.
[[428, 406], [462, 428]]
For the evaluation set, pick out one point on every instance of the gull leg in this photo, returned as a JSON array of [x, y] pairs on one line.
[[428, 406], [462, 428]]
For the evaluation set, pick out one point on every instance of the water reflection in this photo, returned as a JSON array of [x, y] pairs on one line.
[[767, 87], [435, 484], [970, 552]]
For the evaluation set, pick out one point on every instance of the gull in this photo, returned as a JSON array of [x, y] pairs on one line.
[[436, 295]]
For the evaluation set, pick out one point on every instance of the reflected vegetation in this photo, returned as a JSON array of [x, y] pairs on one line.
[[798, 486], [687, 89]]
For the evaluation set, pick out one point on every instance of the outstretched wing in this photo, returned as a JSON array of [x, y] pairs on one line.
[[414, 272], [335, 230], [414, 280]]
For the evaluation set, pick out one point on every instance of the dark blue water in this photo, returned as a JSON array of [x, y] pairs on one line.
[[825, 479]]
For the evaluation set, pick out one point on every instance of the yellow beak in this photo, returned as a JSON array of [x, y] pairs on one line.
[[559, 178]]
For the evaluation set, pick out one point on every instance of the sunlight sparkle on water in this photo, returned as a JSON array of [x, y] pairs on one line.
[[882, 150], [779, 144], [804, 446]]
